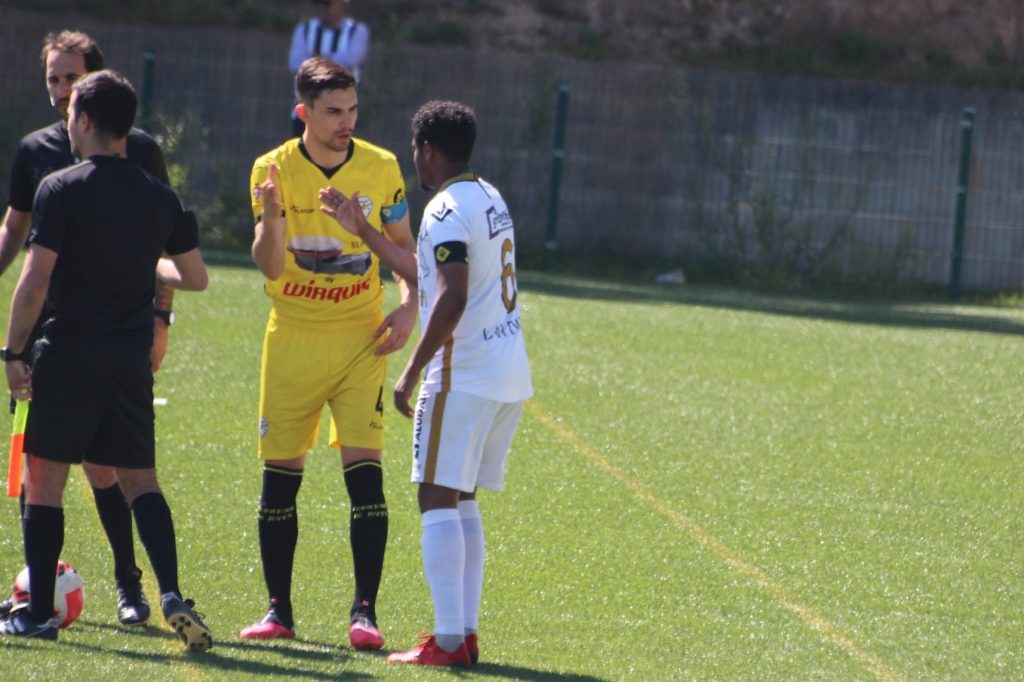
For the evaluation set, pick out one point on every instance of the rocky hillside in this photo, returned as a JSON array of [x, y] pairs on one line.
[[880, 38]]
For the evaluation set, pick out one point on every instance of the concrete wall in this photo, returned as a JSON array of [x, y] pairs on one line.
[[857, 179]]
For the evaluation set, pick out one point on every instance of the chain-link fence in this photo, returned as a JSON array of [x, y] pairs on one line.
[[786, 177]]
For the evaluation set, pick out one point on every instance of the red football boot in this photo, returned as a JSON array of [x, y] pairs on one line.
[[429, 653], [269, 627]]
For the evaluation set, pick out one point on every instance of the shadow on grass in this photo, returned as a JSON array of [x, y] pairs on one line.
[[215, 660], [517, 673], [293, 654], [928, 314]]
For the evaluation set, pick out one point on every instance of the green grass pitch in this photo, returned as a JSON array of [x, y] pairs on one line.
[[710, 484]]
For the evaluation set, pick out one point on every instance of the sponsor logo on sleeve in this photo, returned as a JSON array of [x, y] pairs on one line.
[[498, 222]]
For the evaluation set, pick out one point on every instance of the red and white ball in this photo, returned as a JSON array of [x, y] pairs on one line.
[[68, 593]]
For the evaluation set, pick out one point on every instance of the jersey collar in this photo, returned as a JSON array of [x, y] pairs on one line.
[[468, 176], [329, 172]]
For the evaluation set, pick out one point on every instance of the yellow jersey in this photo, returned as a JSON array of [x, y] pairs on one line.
[[329, 274]]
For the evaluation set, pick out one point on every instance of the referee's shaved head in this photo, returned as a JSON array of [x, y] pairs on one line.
[[449, 127]]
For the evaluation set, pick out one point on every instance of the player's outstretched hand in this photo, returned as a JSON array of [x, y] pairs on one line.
[[346, 210], [400, 321]]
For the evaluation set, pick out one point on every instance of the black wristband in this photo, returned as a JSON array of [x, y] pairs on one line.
[[7, 355], [167, 316]]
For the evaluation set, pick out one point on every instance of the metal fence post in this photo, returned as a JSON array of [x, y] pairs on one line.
[[146, 105], [963, 184], [558, 156]]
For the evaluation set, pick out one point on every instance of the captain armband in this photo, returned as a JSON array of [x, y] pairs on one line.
[[450, 252], [394, 212]]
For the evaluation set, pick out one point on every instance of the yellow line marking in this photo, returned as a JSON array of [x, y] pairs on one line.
[[781, 595]]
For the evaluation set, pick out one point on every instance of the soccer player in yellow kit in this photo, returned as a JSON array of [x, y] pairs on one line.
[[326, 338]]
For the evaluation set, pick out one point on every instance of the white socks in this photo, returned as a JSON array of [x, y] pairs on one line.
[[444, 557], [473, 577], [453, 563]]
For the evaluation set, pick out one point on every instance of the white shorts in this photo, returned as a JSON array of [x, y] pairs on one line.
[[461, 440]]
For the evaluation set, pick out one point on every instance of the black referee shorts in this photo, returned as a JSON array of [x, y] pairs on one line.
[[92, 404]]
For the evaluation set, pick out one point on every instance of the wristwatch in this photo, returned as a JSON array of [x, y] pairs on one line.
[[167, 316], [7, 355]]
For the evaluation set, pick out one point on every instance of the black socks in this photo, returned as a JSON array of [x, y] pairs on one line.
[[156, 530], [368, 531], [44, 538], [116, 517], [279, 531]]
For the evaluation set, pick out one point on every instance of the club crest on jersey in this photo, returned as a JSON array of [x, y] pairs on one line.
[[264, 427], [367, 205]]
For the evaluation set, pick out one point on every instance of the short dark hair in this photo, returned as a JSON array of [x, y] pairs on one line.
[[109, 100], [74, 42], [316, 75], [449, 127]]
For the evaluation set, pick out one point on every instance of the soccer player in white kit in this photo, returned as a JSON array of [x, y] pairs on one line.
[[476, 376]]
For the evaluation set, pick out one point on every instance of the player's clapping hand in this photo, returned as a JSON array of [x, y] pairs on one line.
[[346, 210]]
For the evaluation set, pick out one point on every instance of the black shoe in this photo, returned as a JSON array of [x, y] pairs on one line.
[[17, 600], [187, 623], [132, 605], [20, 624]]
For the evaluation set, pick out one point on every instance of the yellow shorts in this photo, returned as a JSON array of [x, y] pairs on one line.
[[307, 365]]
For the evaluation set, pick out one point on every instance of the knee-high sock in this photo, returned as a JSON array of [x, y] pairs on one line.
[[444, 558], [116, 517], [156, 531], [44, 538], [368, 531], [279, 532], [473, 578]]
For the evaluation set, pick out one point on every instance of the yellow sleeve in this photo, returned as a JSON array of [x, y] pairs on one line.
[[396, 207], [259, 176]]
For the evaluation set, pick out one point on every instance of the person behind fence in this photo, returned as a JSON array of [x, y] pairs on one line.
[[330, 33], [476, 377], [67, 56], [326, 336], [91, 381]]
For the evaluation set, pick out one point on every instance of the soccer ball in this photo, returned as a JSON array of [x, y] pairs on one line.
[[68, 593]]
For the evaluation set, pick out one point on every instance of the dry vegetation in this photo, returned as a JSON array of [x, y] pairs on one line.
[[971, 41]]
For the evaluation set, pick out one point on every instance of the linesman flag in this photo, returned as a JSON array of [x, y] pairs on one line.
[[14, 461]]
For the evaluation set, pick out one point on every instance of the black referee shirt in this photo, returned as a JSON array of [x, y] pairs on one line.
[[49, 149], [108, 220]]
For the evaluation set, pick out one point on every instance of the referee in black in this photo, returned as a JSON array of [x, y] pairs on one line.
[[66, 56], [99, 230]]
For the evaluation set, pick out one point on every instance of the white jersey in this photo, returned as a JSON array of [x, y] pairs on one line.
[[486, 355], [347, 43]]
